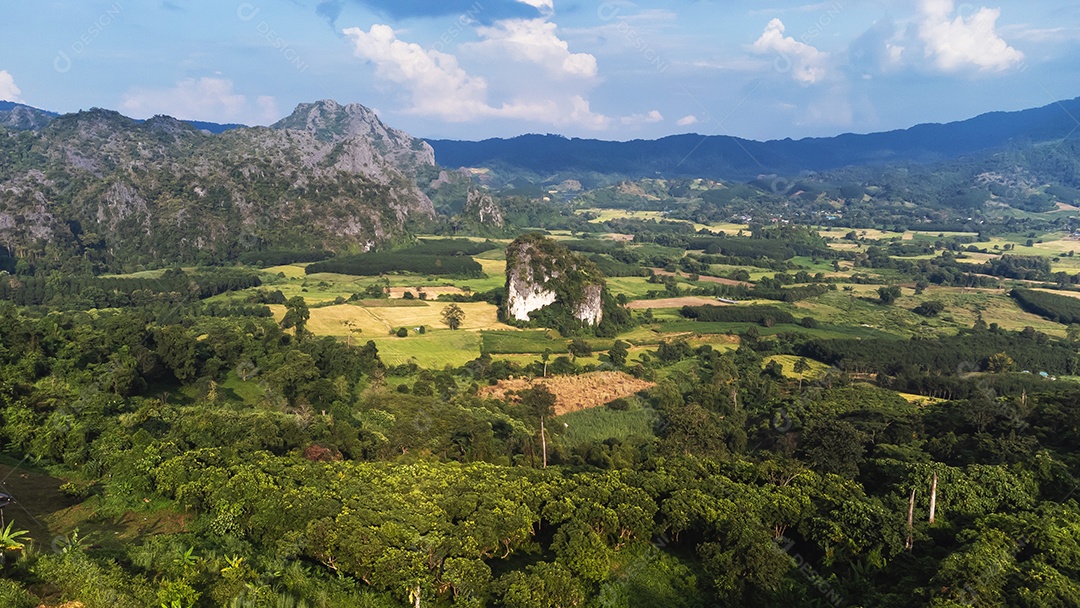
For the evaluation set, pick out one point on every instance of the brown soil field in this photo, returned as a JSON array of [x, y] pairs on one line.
[[675, 303], [573, 393]]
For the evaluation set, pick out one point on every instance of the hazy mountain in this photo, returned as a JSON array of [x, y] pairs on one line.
[[25, 118], [551, 158], [122, 192]]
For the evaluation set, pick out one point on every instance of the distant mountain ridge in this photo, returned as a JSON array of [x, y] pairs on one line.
[[11, 113], [551, 157]]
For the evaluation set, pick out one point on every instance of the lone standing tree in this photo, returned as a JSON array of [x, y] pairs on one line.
[[453, 316], [540, 402]]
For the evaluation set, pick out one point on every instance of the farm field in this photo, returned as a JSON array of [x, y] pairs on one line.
[[574, 393], [674, 303]]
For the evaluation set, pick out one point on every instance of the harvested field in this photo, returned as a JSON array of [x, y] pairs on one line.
[[574, 393], [675, 303]]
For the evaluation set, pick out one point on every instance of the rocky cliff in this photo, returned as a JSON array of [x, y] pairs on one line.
[[120, 194], [541, 274], [481, 207]]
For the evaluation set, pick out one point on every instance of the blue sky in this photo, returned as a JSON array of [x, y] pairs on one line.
[[470, 69]]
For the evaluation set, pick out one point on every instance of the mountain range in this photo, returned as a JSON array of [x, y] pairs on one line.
[[95, 190], [553, 158], [101, 188]]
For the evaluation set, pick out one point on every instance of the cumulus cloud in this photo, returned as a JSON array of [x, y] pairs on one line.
[[208, 99], [642, 119], [8, 90], [805, 63], [687, 121], [535, 41], [439, 87], [967, 41]]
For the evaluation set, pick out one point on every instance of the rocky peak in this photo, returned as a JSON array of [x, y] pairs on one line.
[[540, 273], [330, 122]]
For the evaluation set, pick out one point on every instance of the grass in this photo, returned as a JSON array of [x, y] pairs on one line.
[[369, 322], [599, 424], [827, 331], [788, 363], [633, 287], [433, 350], [522, 342]]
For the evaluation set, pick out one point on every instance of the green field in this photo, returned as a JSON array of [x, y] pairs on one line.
[[600, 423]]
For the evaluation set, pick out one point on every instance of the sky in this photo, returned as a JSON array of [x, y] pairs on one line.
[[618, 70]]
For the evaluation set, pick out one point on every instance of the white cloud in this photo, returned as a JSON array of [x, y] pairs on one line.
[[686, 121], [209, 99], [8, 90], [439, 87], [544, 6], [437, 84], [642, 119], [968, 41], [535, 41], [805, 63]]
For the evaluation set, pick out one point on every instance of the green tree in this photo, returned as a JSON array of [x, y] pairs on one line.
[[618, 353], [889, 294], [296, 315], [453, 316], [579, 348], [999, 363]]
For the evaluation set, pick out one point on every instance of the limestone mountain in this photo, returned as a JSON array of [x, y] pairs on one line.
[[119, 193], [541, 274]]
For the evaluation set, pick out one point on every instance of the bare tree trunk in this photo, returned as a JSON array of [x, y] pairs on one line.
[[910, 521], [416, 597], [933, 499], [543, 441]]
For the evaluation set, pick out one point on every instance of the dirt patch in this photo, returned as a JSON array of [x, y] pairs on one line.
[[675, 303], [573, 393], [432, 292]]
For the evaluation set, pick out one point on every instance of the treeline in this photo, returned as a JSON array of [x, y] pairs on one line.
[[375, 264], [282, 257], [744, 248], [1059, 309], [967, 352], [450, 247], [83, 292], [762, 315]]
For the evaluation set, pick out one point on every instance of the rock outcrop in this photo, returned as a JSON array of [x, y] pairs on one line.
[[541, 273], [482, 208]]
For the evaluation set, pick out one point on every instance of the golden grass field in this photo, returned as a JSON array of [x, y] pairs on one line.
[[574, 393]]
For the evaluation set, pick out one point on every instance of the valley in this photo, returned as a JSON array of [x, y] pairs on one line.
[[306, 365]]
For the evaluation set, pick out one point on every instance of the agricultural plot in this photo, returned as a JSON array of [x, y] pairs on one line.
[[674, 303], [788, 362], [574, 393], [600, 424], [433, 350]]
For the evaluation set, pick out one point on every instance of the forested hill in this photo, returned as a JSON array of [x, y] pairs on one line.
[[732, 158], [111, 191]]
